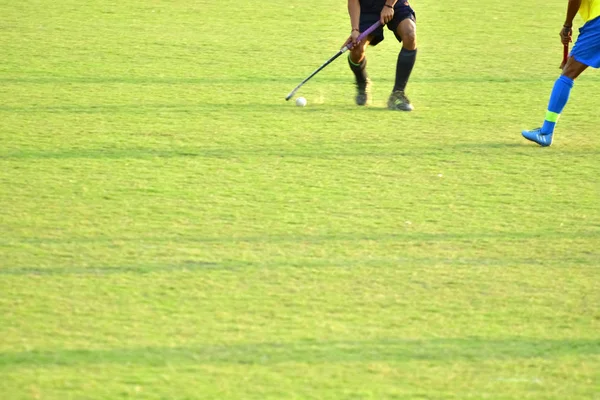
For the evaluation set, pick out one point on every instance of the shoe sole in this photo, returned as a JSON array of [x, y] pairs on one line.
[[536, 142], [403, 107]]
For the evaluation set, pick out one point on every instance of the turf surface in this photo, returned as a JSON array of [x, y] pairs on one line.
[[173, 229]]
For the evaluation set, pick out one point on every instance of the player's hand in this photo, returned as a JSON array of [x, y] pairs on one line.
[[347, 43], [354, 36], [352, 40], [566, 34], [386, 15]]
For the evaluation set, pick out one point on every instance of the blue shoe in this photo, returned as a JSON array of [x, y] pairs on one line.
[[536, 135]]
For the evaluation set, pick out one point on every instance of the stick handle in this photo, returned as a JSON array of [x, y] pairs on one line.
[[366, 33], [565, 56]]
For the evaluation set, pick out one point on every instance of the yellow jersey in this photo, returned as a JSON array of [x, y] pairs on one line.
[[589, 9]]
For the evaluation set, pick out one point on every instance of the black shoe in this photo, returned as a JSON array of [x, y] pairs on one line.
[[363, 92], [399, 101]]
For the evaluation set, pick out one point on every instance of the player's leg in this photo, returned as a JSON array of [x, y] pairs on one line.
[[358, 64], [405, 29], [586, 52], [558, 99], [358, 60]]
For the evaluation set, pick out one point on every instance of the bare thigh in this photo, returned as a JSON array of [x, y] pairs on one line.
[[573, 68]]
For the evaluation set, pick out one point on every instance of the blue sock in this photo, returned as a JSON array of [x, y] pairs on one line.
[[558, 100]]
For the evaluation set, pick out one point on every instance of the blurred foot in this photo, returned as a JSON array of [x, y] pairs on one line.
[[362, 95]]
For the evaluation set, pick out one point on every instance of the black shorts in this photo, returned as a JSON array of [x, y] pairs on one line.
[[402, 11]]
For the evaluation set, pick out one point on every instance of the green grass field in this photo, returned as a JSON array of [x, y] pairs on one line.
[[173, 229]]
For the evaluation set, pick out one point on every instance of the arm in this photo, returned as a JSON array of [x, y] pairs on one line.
[[567, 30], [572, 10], [354, 12]]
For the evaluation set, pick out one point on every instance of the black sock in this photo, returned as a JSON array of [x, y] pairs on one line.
[[360, 70], [406, 62]]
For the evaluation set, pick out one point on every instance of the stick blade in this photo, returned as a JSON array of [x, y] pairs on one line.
[[292, 93]]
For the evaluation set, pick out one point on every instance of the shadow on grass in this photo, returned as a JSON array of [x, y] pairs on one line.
[[193, 267], [44, 78], [467, 238], [123, 269], [313, 352], [144, 109], [584, 259], [306, 153]]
